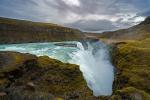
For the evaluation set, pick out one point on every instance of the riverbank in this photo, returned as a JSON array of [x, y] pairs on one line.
[[14, 31], [131, 59], [27, 76]]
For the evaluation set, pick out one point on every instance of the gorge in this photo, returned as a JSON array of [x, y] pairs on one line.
[[94, 61]]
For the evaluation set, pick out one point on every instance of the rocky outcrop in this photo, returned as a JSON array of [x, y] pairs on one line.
[[27, 77], [21, 31]]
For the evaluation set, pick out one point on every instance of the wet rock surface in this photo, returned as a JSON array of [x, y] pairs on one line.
[[66, 44]]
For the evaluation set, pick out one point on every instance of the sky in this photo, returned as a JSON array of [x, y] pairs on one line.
[[86, 15]]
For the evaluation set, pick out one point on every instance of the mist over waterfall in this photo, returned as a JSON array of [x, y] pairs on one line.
[[96, 67]]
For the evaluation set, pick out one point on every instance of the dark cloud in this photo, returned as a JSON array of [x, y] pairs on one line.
[[89, 15]]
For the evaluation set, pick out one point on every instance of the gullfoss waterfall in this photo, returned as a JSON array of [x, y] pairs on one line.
[[93, 59]]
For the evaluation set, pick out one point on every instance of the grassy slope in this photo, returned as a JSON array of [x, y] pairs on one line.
[[132, 60], [137, 32], [20, 31]]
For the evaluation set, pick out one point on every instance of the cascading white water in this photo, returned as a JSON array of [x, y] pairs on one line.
[[93, 59], [96, 67]]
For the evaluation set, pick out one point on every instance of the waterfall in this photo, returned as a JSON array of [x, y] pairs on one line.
[[96, 67], [92, 57]]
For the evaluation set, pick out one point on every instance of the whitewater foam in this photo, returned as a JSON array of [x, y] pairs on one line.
[[96, 67]]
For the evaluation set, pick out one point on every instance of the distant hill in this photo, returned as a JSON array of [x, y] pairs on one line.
[[138, 32], [21, 31]]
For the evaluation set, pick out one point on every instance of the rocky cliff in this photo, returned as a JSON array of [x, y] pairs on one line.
[[21, 31]]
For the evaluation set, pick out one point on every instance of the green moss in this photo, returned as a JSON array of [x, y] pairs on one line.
[[130, 93], [29, 75], [132, 61], [12, 60], [62, 77]]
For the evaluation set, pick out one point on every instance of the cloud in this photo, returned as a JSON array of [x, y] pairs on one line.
[[144, 13], [116, 13], [93, 25], [72, 2]]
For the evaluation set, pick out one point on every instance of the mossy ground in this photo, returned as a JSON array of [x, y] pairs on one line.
[[132, 61], [27, 76]]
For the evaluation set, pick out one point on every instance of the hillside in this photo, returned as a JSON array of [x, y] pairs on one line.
[[21, 31], [138, 32]]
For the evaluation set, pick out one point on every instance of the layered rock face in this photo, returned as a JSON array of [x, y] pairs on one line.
[[21, 31], [27, 77]]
